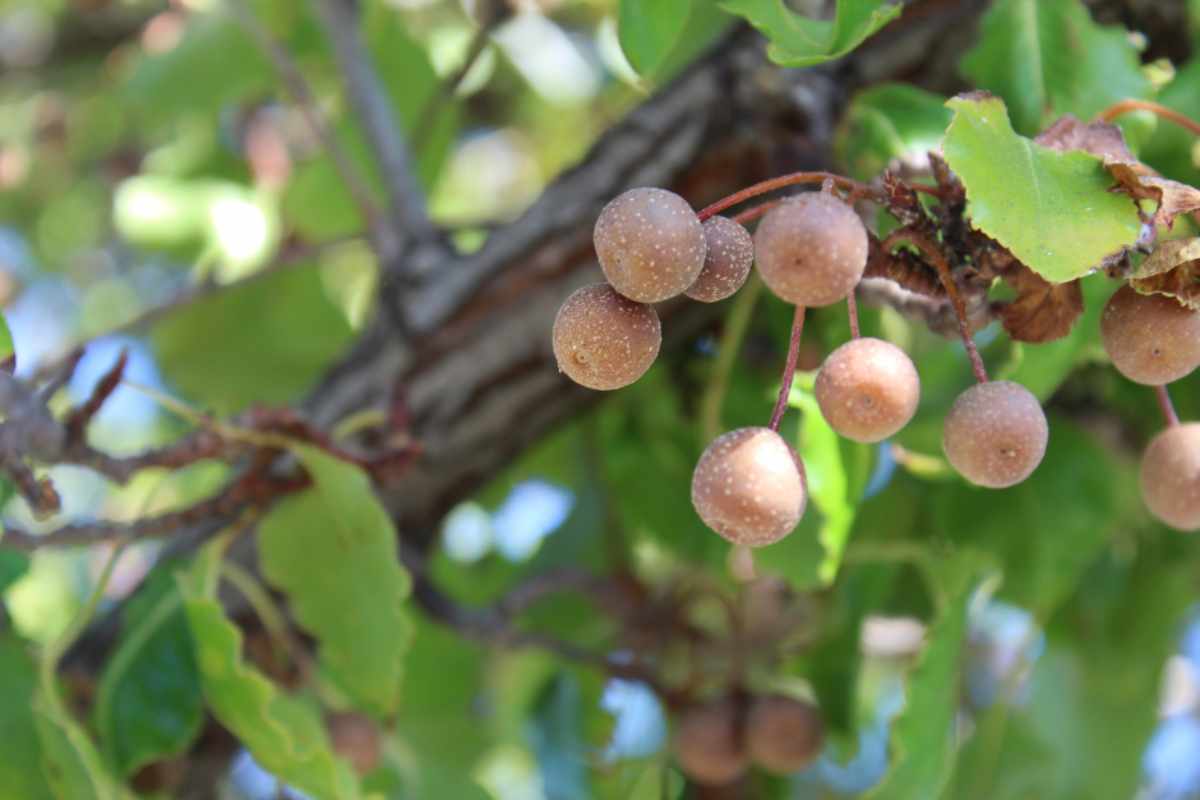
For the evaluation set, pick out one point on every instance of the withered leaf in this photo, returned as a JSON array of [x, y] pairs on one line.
[[1101, 139], [1172, 269], [1167, 256], [1042, 311]]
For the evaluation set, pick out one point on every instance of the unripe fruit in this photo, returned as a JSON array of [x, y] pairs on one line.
[[868, 389], [727, 262], [603, 340], [1151, 338], [995, 434], [650, 244], [811, 250], [1171, 476], [783, 734], [708, 744], [750, 487]]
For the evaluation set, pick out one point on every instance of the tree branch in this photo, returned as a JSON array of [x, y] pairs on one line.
[[378, 118]]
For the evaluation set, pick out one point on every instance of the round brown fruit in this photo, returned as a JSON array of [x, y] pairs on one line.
[[727, 264], [750, 487], [995, 434], [650, 244], [708, 744], [1151, 338], [603, 340], [811, 250], [868, 389], [1171, 476], [783, 734]]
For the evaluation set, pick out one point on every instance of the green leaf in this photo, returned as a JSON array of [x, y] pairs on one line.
[[71, 762], [1049, 58], [829, 487], [13, 564], [20, 772], [149, 703], [333, 551], [215, 63], [797, 41], [888, 122], [1095, 690], [1052, 209], [283, 733], [924, 739], [649, 29], [263, 341], [556, 731]]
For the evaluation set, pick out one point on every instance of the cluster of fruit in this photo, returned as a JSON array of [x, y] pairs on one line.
[[810, 250], [715, 743]]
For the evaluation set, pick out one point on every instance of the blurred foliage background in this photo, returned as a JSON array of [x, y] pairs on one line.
[[157, 195]]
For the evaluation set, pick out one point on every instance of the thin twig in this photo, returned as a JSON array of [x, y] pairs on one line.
[[1166, 406], [302, 93], [431, 109], [751, 214], [378, 118], [783, 181], [789, 369], [852, 313], [938, 260], [1158, 109]]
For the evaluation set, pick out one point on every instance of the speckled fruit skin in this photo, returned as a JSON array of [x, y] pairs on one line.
[[603, 340], [650, 244], [868, 389], [727, 264], [708, 744], [1171, 476], [811, 250], [995, 434], [750, 487], [783, 734], [1151, 339]]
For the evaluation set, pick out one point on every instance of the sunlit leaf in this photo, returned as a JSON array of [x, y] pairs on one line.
[[332, 551], [283, 733], [1052, 209]]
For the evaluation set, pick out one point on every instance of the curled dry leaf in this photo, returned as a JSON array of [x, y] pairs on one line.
[[1042, 311], [1102, 139], [1172, 269]]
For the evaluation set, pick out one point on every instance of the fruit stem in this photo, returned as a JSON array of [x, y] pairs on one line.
[[852, 313], [1165, 404], [736, 325], [934, 256], [751, 214], [789, 370], [1159, 110], [791, 179]]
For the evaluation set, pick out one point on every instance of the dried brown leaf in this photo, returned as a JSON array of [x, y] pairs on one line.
[[1101, 139], [1172, 269], [1042, 311]]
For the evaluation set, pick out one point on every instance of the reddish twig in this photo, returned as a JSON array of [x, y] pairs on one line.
[[1166, 406], [852, 313], [39, 493], [783, 181], [78, 420], [789, 369], [751, 214], [1158, 109], [934, 255]]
